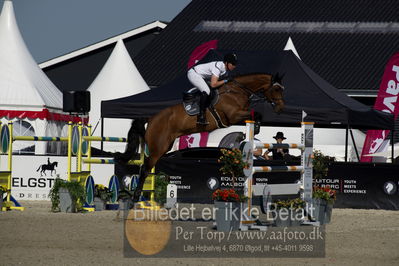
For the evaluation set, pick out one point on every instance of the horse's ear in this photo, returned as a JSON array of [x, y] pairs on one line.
[[277, 78]]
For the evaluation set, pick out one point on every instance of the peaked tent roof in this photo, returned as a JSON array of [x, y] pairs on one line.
[[290, 46], [347, 42], [118, 78], [304, 90], [23, 84]]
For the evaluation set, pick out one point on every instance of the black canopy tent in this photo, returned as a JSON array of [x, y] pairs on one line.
[[304, 91]]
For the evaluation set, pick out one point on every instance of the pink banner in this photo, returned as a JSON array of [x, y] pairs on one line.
[[387, 101], [193, 140], [200, 52]]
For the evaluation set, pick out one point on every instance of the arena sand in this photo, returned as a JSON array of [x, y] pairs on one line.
[[38, 237]]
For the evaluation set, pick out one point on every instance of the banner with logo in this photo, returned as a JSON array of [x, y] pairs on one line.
[[387, 101], [34, 176], [194, 140]]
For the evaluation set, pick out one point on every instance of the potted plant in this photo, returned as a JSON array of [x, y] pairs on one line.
[[323, 200], [289, 212], [67, 196], [320, 164], [233, 164], [101, 195], [228, 209], [161, 185]]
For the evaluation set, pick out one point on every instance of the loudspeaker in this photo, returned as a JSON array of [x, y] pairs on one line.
[[76, 101]]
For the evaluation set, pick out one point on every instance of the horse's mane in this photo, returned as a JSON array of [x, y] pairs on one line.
[[252, 74]]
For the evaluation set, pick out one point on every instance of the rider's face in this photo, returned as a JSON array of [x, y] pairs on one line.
[[230, 66]]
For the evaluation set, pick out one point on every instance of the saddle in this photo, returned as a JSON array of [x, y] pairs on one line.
[[191, 100]]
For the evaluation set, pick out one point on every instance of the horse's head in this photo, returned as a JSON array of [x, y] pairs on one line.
[[270, 87], [274, 95]]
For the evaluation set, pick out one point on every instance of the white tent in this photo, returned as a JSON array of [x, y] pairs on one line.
[[29, 98], [118, 78]]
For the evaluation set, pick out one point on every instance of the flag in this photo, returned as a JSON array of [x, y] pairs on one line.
[[200, 52], [387, 101], [193, 140]]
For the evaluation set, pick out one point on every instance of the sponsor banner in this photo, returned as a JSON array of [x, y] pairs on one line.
[[387, 101], [193, 141], [368, 186], [33, 176]]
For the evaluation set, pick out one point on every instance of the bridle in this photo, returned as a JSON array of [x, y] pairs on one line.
[[273, 102], [254, 97]]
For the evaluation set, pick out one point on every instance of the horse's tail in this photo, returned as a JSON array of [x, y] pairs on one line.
[[38, 168], [135, 135]]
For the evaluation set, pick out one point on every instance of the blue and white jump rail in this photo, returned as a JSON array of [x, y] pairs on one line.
[[304, 186]]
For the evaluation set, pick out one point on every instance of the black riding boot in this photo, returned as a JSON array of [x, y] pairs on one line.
[[201, 119]]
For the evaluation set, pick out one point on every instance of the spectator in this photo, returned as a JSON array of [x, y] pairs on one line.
[[278, 154]]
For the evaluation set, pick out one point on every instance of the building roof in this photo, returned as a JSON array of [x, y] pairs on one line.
[[347, 42], [101, 44], [78, 69]]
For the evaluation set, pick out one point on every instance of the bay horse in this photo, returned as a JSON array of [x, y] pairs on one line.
[[173, 122]]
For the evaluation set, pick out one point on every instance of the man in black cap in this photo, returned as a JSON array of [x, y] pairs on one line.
[[278, 154]]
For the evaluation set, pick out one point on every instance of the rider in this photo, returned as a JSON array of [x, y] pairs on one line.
[[199, 74]]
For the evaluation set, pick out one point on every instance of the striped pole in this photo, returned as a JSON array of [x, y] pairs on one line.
[[109, 139], [279, 146], [287, 168], [36, 138]]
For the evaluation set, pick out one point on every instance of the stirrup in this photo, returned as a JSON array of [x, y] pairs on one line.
[[202, 121]]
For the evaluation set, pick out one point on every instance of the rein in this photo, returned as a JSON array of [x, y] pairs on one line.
[[252, 97]]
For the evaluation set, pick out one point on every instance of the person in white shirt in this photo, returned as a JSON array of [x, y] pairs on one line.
[[199, 74]]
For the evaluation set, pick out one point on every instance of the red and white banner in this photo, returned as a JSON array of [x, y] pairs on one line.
[[193, 140], [387, 101]]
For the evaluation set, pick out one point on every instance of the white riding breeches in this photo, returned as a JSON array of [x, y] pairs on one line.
[[198, 81]]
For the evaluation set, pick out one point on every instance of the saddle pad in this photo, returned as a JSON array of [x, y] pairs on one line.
[[192, 106]]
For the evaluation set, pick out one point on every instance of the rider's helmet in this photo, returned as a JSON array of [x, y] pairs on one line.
[[230, 58], [257, 127]]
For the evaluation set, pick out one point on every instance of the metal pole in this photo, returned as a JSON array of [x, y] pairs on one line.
[[346, 143], [354, 145], [102, 133], [392, 145]]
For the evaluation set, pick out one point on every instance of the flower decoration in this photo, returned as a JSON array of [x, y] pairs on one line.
[[102, 192], [232, 162], [3, 189], [293, 204], [325, 193], [227, 195]]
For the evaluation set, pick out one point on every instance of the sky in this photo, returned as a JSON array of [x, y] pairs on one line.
[[52, 28]]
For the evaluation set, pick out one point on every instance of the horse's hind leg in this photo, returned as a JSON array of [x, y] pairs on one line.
[[142, 176]]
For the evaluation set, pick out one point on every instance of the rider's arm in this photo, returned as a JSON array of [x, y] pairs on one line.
[[215, 82]]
